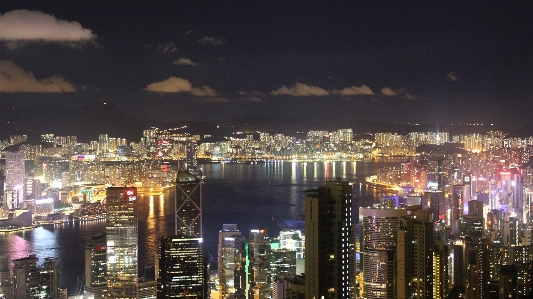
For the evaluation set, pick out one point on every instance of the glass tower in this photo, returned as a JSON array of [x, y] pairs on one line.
[[188, 205], [121, 231]]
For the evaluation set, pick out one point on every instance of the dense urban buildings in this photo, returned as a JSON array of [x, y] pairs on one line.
[[452, 218]]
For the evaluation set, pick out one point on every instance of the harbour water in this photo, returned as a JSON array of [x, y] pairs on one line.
[[250, 195]]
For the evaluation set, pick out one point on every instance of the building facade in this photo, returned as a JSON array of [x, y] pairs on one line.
[[121, 248], [328, 238]]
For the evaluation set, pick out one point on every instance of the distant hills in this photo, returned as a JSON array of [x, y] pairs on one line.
[[90, 121]]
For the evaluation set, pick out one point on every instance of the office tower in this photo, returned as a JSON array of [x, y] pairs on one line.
[[328, 235], [190, 154], [294, 240], [414, 255], [282, 263], [96, 266], [147, 288], [15, 176], [259, 278], [379, 229], [188, 205], [460, 199], [121, 231], [231, 263], [182, 271], [183, 268], [32, 281]]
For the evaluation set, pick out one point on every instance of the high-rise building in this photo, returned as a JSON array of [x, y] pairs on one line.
[[231, 263], [188, 205], [259, 278], [182, 270], [282, 264], [96, 266], [379, 229], [328, 236], [32, 281], [414, 255], [121, 231], [15, 179]]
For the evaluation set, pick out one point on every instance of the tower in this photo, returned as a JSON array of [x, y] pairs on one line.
[[121, 231], [188, 206], [96, 266], [183, 269], [15, 173], [182, 272], [231, 262], [328, 235], [259, 276], [379, 229]]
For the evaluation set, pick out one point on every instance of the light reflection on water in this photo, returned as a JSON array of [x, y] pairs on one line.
[[249, 195]]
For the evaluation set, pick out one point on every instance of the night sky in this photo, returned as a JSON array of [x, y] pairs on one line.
[[392, 61]]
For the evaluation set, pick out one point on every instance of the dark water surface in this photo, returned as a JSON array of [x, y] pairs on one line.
[[250, 195]]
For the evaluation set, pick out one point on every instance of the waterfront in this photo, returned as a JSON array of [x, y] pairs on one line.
[[250, 195]]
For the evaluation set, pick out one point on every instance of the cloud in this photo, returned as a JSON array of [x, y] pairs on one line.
[[452, 76], [28, 25], [175, 85], [300, 90], [14, 79], [185, 61], [166, 48], [252, 96], [405, 94], [388, 92], [354, 90], [211, 40], [204, 91]]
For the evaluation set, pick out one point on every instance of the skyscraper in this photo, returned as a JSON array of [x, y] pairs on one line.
[[259, 276], [231, 262], [15, 179], [121, 231], [379, 229], [328, 234], [188, 205], [182, 271], [32, 281], [96, 266], [183, 268]]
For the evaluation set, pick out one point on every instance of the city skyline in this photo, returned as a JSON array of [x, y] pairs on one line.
[[175, 61]]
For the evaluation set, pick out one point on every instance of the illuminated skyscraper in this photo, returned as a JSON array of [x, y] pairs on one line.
[[231, 262], [188, 205], [259, 276], [96, 266], [182, 270], [379, 228], [15, 179], [328, 236], [121, 230], [32, 281]]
